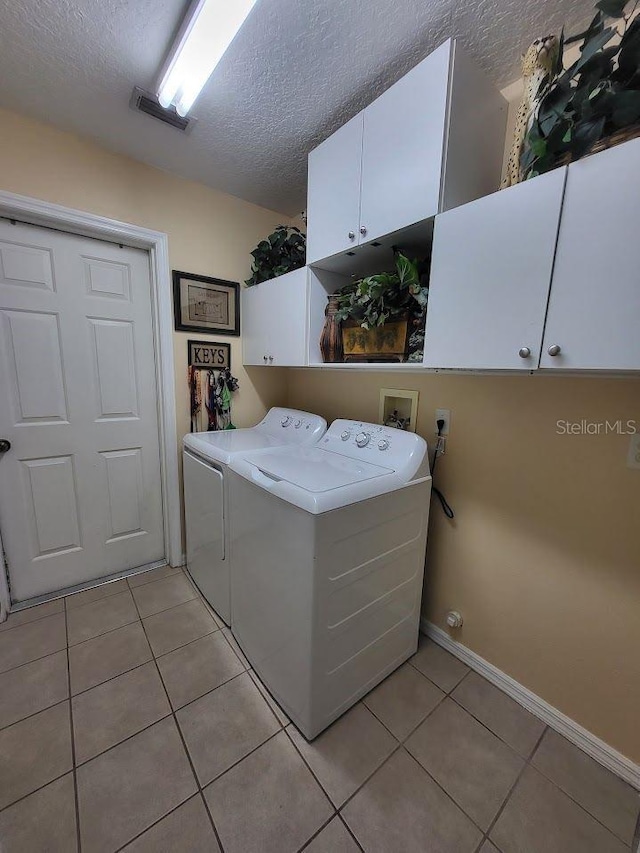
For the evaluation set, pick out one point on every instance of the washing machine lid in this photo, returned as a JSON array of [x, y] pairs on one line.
[[220, 446], [316, 470], [278, 428]]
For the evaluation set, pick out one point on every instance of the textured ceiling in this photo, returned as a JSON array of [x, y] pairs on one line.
[[297, 70]]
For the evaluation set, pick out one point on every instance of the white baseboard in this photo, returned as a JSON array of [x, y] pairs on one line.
[[588, 742]]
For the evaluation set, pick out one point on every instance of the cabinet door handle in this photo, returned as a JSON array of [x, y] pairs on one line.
[[554, 350], [270, 359], [363, 230], [352, 235], [264, 358], [524, 352]]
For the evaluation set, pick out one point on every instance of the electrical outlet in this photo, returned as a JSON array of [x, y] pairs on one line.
[[444, 415], [633, 457]]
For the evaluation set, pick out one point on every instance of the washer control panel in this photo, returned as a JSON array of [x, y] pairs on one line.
[[297, 427], [385, 446], [362, 440]]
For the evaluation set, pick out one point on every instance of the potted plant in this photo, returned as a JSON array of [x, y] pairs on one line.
[[379, 312], [281, 252], [595, 102]]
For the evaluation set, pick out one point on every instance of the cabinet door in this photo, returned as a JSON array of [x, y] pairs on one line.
[[253, 343], [594, 307], [402, 149], [284, 315], [333, 203], [490, 276]]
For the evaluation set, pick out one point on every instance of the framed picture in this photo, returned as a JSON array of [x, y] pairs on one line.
[[204, 304], [209, 355]]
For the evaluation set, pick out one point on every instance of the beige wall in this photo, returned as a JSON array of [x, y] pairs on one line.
[[209, 232]]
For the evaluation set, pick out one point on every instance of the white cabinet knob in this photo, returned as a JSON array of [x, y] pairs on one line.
[[352, 235], [363, 230], [264, 358], [554, 350], [524, 352], [270, 359]]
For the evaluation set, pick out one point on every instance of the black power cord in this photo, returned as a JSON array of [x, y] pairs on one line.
[[443, 501]]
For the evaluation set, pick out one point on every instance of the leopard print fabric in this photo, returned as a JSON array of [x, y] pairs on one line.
[[537, 64]]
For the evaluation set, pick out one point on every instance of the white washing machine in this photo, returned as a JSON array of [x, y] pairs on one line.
[[329, 547], [206, 456]]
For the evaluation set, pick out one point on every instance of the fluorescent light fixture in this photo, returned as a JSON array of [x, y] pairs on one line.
[[207, 31]]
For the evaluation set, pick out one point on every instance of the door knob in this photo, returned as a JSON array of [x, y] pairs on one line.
[[363, 230], [524, 352], [554, 350], [5, 445], [352, 235]]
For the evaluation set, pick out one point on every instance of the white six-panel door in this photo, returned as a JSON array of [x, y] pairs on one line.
[[80, 488]]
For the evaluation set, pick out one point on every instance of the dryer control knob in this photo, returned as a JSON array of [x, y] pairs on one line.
[[362, 439], [298, 424], [383, 444], [345, 436], [286, 421]]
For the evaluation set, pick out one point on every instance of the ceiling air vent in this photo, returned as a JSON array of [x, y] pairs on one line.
[[145, 102]]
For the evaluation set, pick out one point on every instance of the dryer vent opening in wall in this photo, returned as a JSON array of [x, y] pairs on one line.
[[147, 103]]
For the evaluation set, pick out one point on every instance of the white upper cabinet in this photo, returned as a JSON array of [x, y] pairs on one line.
[[490, 274], [254, 345], [402, 149], [274, 321], [593, 320], [432, 141], [333, 219]]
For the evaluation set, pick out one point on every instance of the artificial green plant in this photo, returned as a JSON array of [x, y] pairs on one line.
[[373, 300], [281, 252], [596, 96]]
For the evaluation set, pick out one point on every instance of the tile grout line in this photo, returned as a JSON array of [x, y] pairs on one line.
[[569, 796], [511, 790], [349, 830], [73, 737], [403, 740], [316, 833], [155, 823], [177, 570], [29, 621], [180, 734], [528, 758], [524, 758], [35, 714], [309, 768], [444, 791]]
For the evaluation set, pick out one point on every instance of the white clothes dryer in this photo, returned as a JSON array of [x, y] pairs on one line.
[[206, 456]]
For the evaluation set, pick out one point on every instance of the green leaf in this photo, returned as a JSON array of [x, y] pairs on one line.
[[626, 108], [567, 136], [612, 8], [590, 48], [539, 147]]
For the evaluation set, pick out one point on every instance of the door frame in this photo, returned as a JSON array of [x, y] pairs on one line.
[[33, 211]]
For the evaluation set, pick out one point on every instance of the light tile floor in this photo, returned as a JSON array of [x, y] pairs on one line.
[[130, 721]]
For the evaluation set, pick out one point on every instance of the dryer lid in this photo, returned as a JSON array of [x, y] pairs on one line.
[[315, 470]]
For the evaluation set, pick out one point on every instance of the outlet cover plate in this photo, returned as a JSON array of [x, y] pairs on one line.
[[445, 415], [633, 457]]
